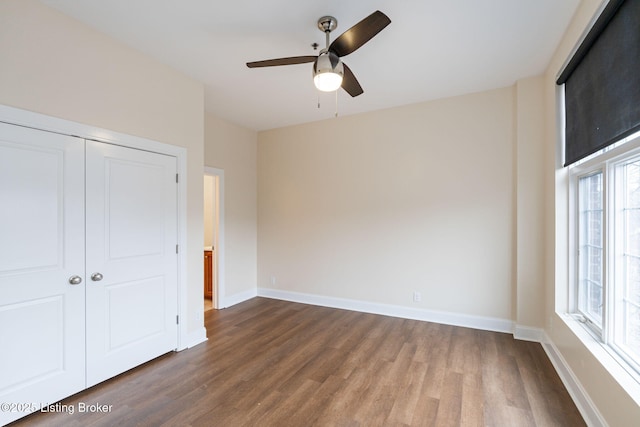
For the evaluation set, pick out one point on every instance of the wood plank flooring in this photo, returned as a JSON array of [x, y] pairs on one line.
[[277, 363]]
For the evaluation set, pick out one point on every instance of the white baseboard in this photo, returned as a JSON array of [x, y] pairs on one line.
[[583, 402], [238, 298], [455, 319], [196, 337], [527, 333]]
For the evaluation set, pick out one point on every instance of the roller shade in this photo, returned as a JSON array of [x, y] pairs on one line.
[[602, 82]]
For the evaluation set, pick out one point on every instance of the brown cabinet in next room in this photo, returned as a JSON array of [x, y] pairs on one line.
[[208, 274]]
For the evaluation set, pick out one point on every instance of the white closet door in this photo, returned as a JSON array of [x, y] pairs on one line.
[[131, 258], [42, 317]]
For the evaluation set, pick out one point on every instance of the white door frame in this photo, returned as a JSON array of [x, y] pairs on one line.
[[30, 119], [219, 290]]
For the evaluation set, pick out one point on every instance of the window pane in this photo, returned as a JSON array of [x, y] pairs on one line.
[[632, 331], [631, 307], [627, 326], [590, 235]]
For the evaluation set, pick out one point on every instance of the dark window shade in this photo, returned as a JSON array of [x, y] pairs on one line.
[[602, 82]]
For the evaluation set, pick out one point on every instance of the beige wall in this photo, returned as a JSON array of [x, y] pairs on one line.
[[376, 206], [612, 401], [530, 212], [234, 149], [52, 64]]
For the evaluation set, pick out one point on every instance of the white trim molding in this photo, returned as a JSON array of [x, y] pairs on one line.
[[527, 333], [446, 318], [583, 402], [220, 290], [234, 299], [196, 337]]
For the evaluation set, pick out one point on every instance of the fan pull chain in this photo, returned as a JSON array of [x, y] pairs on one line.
[[336, 111]]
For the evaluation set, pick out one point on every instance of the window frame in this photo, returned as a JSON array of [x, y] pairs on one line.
[[609, 161]]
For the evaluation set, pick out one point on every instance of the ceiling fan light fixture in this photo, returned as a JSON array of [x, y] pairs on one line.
[[327, 82], [328, 72]]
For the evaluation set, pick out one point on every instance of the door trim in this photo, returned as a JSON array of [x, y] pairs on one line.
[[220, 287], [16, 116]]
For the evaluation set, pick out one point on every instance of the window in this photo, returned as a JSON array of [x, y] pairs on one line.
[[626, 310], [606, 217], [590, 249]]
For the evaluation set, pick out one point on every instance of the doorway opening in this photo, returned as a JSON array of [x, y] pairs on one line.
[[214, 289]]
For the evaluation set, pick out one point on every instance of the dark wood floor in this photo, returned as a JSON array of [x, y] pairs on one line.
[[276, 363]]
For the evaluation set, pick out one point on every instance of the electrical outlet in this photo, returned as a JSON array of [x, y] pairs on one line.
[[417, 296], [273, 280]]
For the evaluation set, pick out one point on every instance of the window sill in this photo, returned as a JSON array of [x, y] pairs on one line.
[[615, 366]]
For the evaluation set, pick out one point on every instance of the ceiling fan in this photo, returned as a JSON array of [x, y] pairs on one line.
[[329, 72]]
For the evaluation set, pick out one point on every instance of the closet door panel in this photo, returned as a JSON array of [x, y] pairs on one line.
[[131, 245], [42, 317]]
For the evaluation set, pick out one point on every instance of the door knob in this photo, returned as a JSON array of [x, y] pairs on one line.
[[75, 280], [96, 277]]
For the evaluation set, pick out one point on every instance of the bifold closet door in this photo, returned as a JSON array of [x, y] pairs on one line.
[[42, 292], [131, 258], [88, 264]]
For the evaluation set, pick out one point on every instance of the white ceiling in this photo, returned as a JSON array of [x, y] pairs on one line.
[[432, 49]]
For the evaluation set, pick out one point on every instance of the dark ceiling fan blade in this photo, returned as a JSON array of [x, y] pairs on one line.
[[359, 34], [350, 83], [282, 61]]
